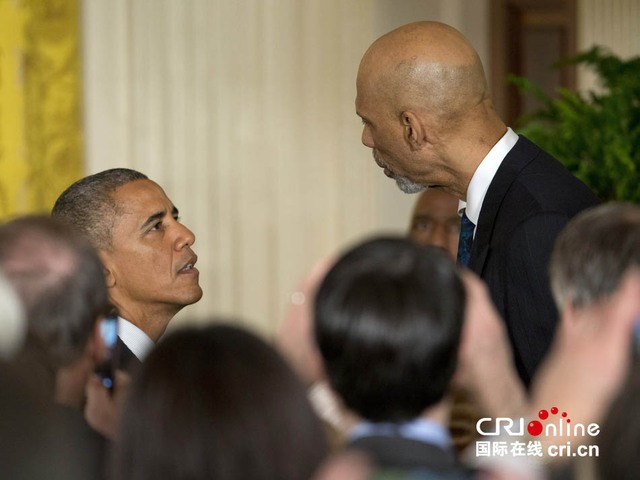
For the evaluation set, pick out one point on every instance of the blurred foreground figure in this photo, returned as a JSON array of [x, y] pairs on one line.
[[296, 342], [595, 274], [13, 323], [593, 256], [217, 404], [388, 317], [620, 438], [58, 277]]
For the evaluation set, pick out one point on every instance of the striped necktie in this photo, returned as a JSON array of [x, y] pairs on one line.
[[466, 239]]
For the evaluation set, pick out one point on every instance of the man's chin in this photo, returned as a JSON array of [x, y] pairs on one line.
[[197, 296], [408, 186], [190, 298]]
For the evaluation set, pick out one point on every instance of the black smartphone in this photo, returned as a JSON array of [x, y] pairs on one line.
[[107, 366]]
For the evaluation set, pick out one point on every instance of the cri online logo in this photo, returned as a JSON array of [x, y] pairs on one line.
[[558, 425], [535, 427]]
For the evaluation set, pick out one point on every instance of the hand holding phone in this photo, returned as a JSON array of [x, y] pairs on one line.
[[107, 365]]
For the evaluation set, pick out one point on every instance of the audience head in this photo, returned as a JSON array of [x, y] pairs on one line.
[[58, 277], [423, 99], [388, 318], [435, 221], [12, 320], [146, 251], [230, 407], [593, 253]]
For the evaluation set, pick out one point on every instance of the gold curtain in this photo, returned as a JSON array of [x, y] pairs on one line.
[[40, 110]]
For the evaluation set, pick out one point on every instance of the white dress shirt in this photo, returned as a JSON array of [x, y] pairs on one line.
[[483, 176], [135, 339]]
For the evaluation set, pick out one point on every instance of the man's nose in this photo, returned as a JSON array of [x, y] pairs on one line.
[[440, 236], [185, 237], [367, 138]]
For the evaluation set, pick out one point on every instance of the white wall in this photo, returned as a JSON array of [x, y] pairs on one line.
[[612, 23], [244, 112]]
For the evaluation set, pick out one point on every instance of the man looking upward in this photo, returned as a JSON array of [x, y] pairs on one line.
[[146, 252], [429, 119]]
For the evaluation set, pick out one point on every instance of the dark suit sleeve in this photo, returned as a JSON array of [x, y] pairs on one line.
[[530, 312]]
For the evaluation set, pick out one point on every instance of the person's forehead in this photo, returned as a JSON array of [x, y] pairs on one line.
[[140, 197], [436, 203]]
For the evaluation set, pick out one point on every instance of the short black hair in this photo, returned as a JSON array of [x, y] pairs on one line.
[[59, 279], [217, 402], [88, 204], [388, 318]]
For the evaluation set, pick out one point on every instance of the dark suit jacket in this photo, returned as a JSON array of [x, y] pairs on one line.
[[399, 453], [529, 201]]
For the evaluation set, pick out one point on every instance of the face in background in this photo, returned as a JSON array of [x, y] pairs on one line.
[[435, 221], [150, 264]]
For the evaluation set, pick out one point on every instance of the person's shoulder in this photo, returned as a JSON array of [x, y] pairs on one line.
[[396, 452], [546, 186], [546, 177]]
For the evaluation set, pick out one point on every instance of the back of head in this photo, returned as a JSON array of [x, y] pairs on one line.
[[58, 277], [593, 252], [429, 66], [88, 205], [217, 403], [387, 321]]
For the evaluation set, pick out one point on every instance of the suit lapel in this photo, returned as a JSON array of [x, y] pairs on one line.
[[518, 157]]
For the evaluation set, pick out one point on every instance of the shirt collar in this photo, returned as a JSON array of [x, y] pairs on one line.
[[484, 175], [135, 339], [421, 429]]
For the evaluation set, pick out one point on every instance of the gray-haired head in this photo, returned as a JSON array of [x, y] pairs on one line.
[[593, 252], [88, 204], [58, 276]]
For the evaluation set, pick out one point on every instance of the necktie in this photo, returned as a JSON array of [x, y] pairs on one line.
[[466, 239]]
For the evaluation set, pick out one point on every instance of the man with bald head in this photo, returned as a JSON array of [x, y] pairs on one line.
[[428, 117]]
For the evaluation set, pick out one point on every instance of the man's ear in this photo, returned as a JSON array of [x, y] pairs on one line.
[[414, 133]]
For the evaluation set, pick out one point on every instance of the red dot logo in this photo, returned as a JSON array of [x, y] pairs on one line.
[[554, 410], [534, 428], [543, 414], [564, 414]]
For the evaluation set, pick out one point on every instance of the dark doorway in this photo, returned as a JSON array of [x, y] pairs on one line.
[[527, 38]]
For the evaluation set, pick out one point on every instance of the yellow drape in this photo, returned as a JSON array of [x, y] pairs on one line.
[[40, 111]]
